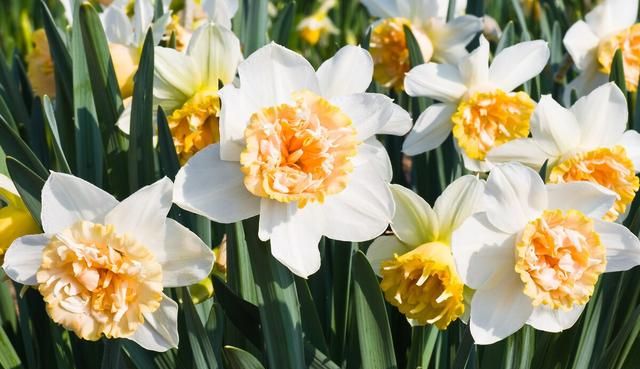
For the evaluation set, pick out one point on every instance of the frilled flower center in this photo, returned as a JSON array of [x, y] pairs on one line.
[[96, 282], [628, 41], [424, 285], [389, 51], [486, 120], [559, 258], [195, 125], [608, 167], [300, 152]]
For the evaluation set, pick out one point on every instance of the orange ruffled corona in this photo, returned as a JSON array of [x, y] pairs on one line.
[[97, 283], [424, 285], [628, 41], [489, 119], [608, 167], [300, 152], [559, 257]]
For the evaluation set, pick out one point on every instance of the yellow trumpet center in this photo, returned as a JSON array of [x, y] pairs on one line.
[[559, 258], [423, 285], [608, 167], [628, 41], [486, 120], [40, 65], [195, 125], [390, 54], [300, 152], [15, 220], [95, 282]]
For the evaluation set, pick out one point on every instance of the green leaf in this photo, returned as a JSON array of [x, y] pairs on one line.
[[283, 23], [8, 357], [13, 145], [256, 20], [341, 256], [423, 342], [141, 155], [451, 11], [522, 20], [111, 356], [241, 313], [617, 71], [507, 39], [239, 273], [374, 334], [465, 348], [310, 321], [29, 186], [52, 126], [630, 328], [169, 162], [239, 359], [12, 96], [198, 340]]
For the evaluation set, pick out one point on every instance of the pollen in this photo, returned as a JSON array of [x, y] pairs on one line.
[[486, 120], [559, 257], [628, 41], [424, 285], [390, 54], [97, 283], [195, 125], [608, 167], [300, 152]]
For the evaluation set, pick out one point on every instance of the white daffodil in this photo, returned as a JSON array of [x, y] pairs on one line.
[[126, 37], [317, 25], [186, 86], [220, 11], [416, 265], [101, 264], [440, 41], [534, 256], [476, 102], [587, 142], [298, 147], [593, 42]]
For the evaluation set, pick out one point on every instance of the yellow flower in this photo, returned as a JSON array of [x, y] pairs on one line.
[[418, 272], [40, 66], [125, 63], [314, 27], [15, 219]]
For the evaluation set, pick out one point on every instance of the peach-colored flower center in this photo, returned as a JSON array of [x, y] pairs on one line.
[[486, 120], [423, 285], [95, 282], [608, 167], [628, 41], [559, 258], [388, 47], [300, 152]]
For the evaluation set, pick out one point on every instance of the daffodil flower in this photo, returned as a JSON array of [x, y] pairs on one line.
[[418, 274], [535, 254], [587, 142], [476, 102], [440, 41], [40, 65], [593, 42], [186, 86], [314, 27], [15, 219], [220, 11], [298, 147], [101, 265]]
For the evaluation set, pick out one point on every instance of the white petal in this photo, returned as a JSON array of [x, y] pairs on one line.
[[473, 165], [294, 234], [159, 26], [441, 82], [554, 128], [373, 153], [517, 64], [584, 83], [499, 310], [457, 202], [7, 184], [602, 116], [369, 112], [117, 27], [185, 259], [547, 319], [142, 18], [474, 69], [449, 40], [220, 11], [67, 199], [143, 214], [431, 129], [214, 188], [272, 73], [581, 43], [591, 199], [175, 78], [349, 71], [384, 248], [362, 211], [623, 247], [160, 329], [631, 143], [381, 8], [522, 150], [399, 123], [612, 16], [515, 195], [124, 120], [24, 257], [414, 222], [234, 116], [480, 250], [216, 52]]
